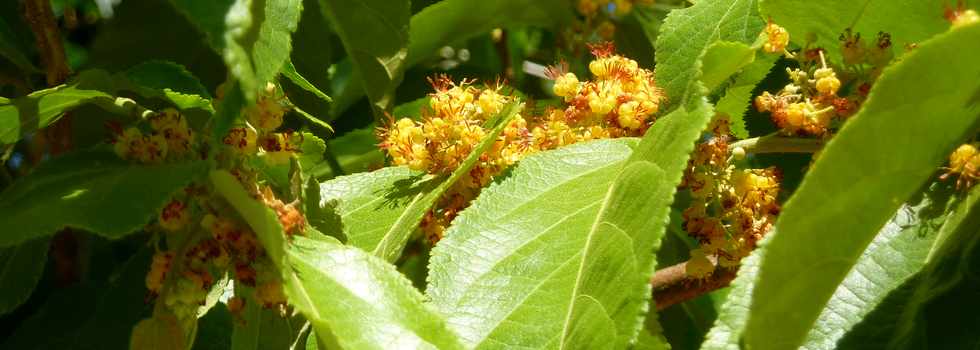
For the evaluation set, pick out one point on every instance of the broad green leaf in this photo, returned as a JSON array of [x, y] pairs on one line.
[[364, 300], [908, 21], [91, 190], [380, 210], [647, 341], [452, 21], [896, 254], [924, 104], [257, 40], [687, 34], [208, 16], [21, 266], [289, 71], [722, 60], [569, 231], [375, 35], [738, 95], [21, 116], [11, 49]]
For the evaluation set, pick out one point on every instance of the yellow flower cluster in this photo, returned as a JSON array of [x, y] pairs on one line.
[[806, 106], [621, 101], [731, 209], [170, 138], [964, 162]]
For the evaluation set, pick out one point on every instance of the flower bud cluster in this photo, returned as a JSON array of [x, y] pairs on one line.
[[170, 138], [731, 209], [806, 106]]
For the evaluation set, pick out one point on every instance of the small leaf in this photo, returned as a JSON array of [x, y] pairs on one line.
[[21, 267], [687, 34], [289, 71], [257, 40], [163, 75], [925, 104], [91, 190], [21, 116], [381, 209]]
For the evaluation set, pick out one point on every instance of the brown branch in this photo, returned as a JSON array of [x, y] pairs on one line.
[[672, 285], [41, 19]]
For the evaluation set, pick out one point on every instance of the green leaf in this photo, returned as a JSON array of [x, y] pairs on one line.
[[375, 35], [289, 71], [381, 209], [571, 231], [214, 329], [738, 95], [208, 16], [257, 40], [734, 313], [21, 266], [453, 21], [932, 92], [687, 34], [647, 341], [21, 116], [898, 252], [908, 21], [91, 190], [722, 60], [364, 301]]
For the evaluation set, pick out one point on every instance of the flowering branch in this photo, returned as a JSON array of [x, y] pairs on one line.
[[672, 285]]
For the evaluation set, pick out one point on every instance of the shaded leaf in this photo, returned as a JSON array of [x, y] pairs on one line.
[[932, 91], [722, 60], [356, 151], [163, 75], [208, 16], [90, 190], [10, 47], [738, 95], [39, 109], [21, 267], [289, 71], [260, 327]]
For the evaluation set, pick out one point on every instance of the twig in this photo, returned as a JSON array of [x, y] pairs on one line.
[[672, 285], [41, 19], [774, 143]]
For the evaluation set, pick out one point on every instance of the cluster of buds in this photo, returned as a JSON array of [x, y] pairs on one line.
[[860, 56], [807, 106], [169, 138], [731, 209], [964, 163], [259, 133], [620, 102], [777, 38], [292, 220]]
